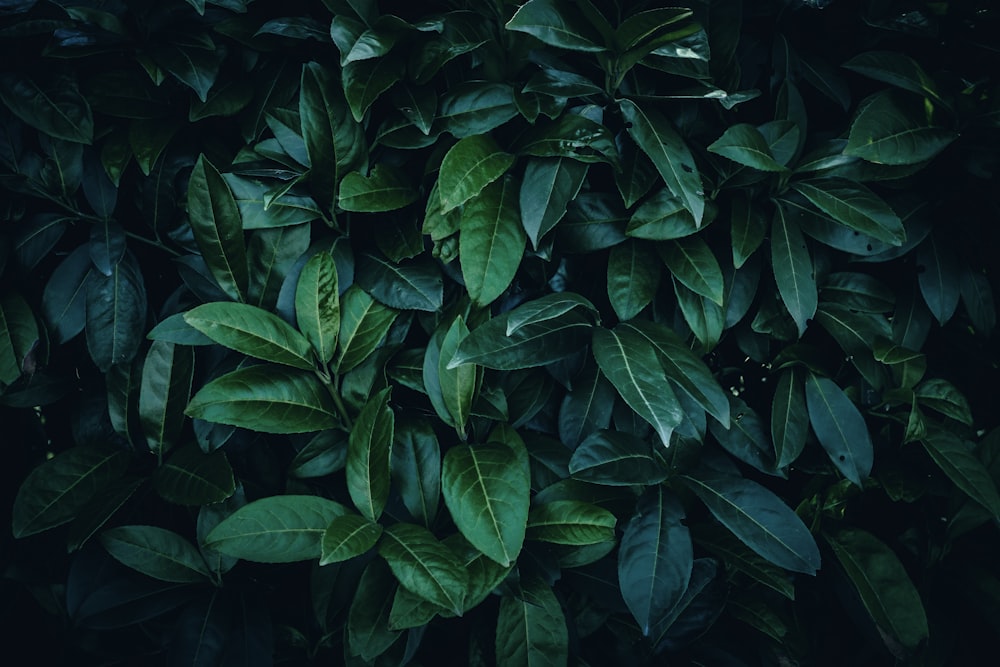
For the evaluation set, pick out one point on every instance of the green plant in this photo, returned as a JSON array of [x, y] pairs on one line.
[[489, 332]]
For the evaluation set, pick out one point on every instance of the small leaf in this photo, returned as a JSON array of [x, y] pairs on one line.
[[348, 536], [156, 552], [789, 419], [252, 331], [744, 144], [424, 566], [317, 305], [840, 428], [276, 529], [368, 456]]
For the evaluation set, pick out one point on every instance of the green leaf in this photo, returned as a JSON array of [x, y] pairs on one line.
[[197, 68], [191, 477], [758, 518], [746, 438], [962, 467], [468, 167], [218, 230], [793, 269], [548, 22], [570, 135], [348, 536], [324, 454], [655, 558], [116, 314], [883, 585], [855, 206], [587, 406], [840, 428], [166, 387], [366, 80], [548, 307], [252, 331], [724, 545], [276, 529], [549, 184], [18, 337], [55, 107], [156, 552], [364, 324], [789, 419], [486, 489], [368, 632], [669, 154], [531, 628], [459, 384], [414, 284], [424, 566], [317, 305], [491, 241], [895, 69], [744, 144], [368, 455], [476, 107], [570, 522], [633, 277], [384, 189], [749, 226], [693, 264], [889, 130], [614, 458], [54, 492], [321, 112], [415, 462], [630, 362], [940, 279], [266, 398], [942, 396]]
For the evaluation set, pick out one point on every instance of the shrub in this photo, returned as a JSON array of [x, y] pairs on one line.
[[485, 332]]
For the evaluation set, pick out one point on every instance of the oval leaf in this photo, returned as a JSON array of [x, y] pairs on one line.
[[218, 229], [840, 428], [317, 305], [424, 566], [368, 456], [348, 536], [156, 552], [253, 331]]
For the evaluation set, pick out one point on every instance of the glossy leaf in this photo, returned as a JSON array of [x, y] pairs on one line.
[[744, 144], [570, 522], [167, 375], [491, 241], [615, 459], [692, 263], [317, 305], [468, 167], [544, 20], [424, 566], [531, 628], [408, 285], [486, 489], [276, 529], [415, 462], [364, 324], [266, 398], [793, 269], [368, 456], [856, 206], [384, 189], [348, 536], [548, 185], [215, 221], [888, 130], [633, 277], [156, 552], [840, 428], [252, 331]]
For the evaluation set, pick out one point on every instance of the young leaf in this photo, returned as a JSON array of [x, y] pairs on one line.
[[276, 529], [744, 144], [486, 489], [166, 387], [368, 456], [531, 627], [758, 518], [881, 580], [424, 566], [266, 398], [252, 331], [630, 362], [468, 167], [218, 230], [654, 558], [54, 492], [491, 241], [317, 305], [840, 428], [793, 269], [156, 552], [348, 536]]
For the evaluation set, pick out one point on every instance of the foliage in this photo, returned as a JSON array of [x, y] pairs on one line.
[[482, 332]]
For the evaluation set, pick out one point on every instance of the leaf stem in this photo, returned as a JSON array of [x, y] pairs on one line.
[[338, 402]]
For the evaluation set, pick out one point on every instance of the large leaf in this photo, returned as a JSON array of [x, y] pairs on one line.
[[166, 387], [669, 154], [888, 129], [655, 558], [55, 491], [424, 566], [883, 585], [486, 489], [531, 628], [368, 632], [368, 456], [840, 428], [116, 314], [252, 331], [692, 263], [266, 398], [758, 518], [630, 362], [276, 529], [218, 230], [156, 552], [551, 23], [793, 269], [548, 185], [856, 206], [468, 167], [317, 305], [587, 406], [613, 458], [491, 241]]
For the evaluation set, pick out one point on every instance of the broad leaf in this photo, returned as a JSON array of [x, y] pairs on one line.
[[407, 285], [348, 536], [840, 428], [587, 407], [368, 632], [317, 305], [218, 230], [384, 189], [615, 458], [531, 628], [276, 529], [549, 22], [156, 552], [54, 106], [895, 69], [191, 477], [415, 460], [468, 167], [633, 277], [364, 324], [940, 278], [692, 263], [491, 241], [368, 456], [744, 144], [548, 185], [116, 314], [266, 398], [570, 522], [252, 331], [749, 226], [424, 566]]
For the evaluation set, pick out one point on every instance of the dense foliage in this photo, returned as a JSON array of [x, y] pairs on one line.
[[485, 332]]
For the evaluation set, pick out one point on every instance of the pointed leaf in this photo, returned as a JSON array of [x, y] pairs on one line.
[[368, 455], [54, 107], [570, 522], [317, 305], [166, 387], [789, 419], [458, 384], [424, 566], [888, 130], [156, 552], [615, 458], [940, 279], [550, 23], [191, 477], [218, 230], [348, 536], [416, 468], [252, 331], [413, 284], [895, 69], [793, 269], [384, 189], [633, 277], [840, 428], [962, 467], [468, 167], [549, 184], [856, 206], [749, 226], [744, 144], [491, 241], [531, 628], [691, 261], [116, 314], [364, 324]]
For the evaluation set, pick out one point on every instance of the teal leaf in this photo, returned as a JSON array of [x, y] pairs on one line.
[[56, 107], [458, 384], [840, 428], [415, 462], [413, 284], [191, 477], [962, 467], [384, 189], [167, 375], [633, 277], [116, 314], [616, 458], [793, 269], [789, 418], [549, 184], [364, 323]]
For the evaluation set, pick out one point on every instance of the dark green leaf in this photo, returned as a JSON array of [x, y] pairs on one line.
[[267, 398], [942, 396], [190, 477], [895, 69], [468, 167], [116, 314], [889, 130], [476, 107], [18, 337], [749, 226], [407, 285], [215, 221], [940, 278], [548, 22], [694, 265], [571, 135], [633, 277], [587, 407], [174, 329], [317, 305], [459, 384], [53, 106], [366, 80], [570, 522], [156, 552], [368, 456], [368, 632], [789, 419], [364, 324], [840, 428], [793, 269], [977, 295], [252, 331], [856, 206], [196, 68], [531, 628], [962, 467], [746, 438], [424, 566], [491, 241], [348, 536], [324, 454], [549, 184], [166, 387], [384, 189], [744, 144], [416, 468]]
